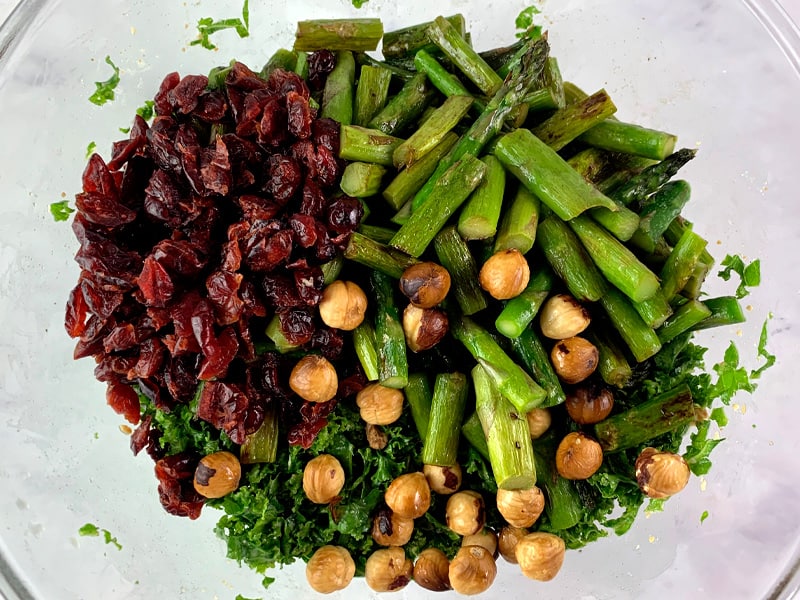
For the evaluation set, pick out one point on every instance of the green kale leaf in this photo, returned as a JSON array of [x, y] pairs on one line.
[[105, 89], [749, 274], [61, 210], [208, 26]]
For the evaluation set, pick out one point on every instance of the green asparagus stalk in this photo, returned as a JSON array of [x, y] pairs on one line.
[[362, 180], [442, 79], [681, 263], [301, 66], [530, 350], [725, 310], [687, 316], [693, 288], [367, 145], [518, 228], [511, 379], [590, 163], [450, 191], [622, 223], [654, 311], [652, 178], [371, 93], [376, 233], [492, 119], [444, 426], [365, 60], [472, 430], [447, 37], [568, 258], [404, 108], [414, 39], [376, 256], [574, 119], [389, 336], [661, 414], [419, 397], [641, 339], [358, 35], [615, 261], [625, 171], [282, 59], [573, 94], [674, 232], [630, 139], [478, 219], [273, 332], [498, 58], [366, 350], [518, 312], [658, 211], [564, 507], [547, 175], [432, 131], [455, 256], [550, 96], [218, 75], [331, 269], [613, 367], [261, 446], [507, 435]]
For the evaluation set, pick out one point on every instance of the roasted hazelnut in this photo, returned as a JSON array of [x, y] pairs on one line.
[[390, 529], [661, 474], [314, 379], [424, 327], [330, 569], [578, 456], [431, 571], [426, 284], [520, 508], [388, 570], [323, 479], [217, 475], [507, 541], [465, 513], [540, 555], [409, 495], [486, 538], [376, 437], [343, 305], [443, 480], [472, 570], [539, 420], [574, 359], [505, 274], [380, 405], [563, 317], [589, 404]]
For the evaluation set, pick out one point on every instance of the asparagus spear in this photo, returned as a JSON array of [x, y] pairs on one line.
[[371, 93], [725, 310], [568, 258], [261, 446], [365, 60], [301, 66], [550, 95], [404, 108], [658, 212], [362, 180], [661, 414], [655, 310], [681, 263], [693, 287], [447, 412], [507, 436], [613, 366], [564, 506], [409, 41], [530, 350], [331, 269], [687, 316], [674, 232], [652, 178], [641, 339], [511, 380], [389, 336], [366, 350], [547, 175], [376, 233], [374, 255], [273, 332], [499, 58], [630, 139], [518, 228], [432, 131], [282, 59], [574, 119], [337, 97], [472, 430], [358, 35], [520, 311], [367, 145], [442, 79], [590, 163], [479, 217], [456, 257], [451, 190], [418, 394]]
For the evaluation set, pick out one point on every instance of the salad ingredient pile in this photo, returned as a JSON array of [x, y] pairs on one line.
[[400, 317]]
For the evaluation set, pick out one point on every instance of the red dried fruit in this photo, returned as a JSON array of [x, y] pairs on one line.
[[314, 201], [284, 180], [344, 215], [215, 168], [219, 353], [266, 250], [124, 400], [161, 100], [185, 96], [320, 64], [225, 406], [223, 289], [282, 83], [77, 311], [298, 115], [304, 228], [155, 283], [325, 132], [297, 326], [176, 491]]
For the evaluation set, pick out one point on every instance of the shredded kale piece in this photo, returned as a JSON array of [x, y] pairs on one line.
[[61, 210], [146, 110], [359, 3], [525, 22], [749, 274], [704, 516], [105, 89], [769, 359], [208, 26], [92, 530], [90, 149]]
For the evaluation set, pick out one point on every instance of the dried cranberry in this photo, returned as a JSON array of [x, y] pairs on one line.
[[305, 229], [211, 107], [218, 352], [225, 406], [314, 202], [327, 167], [215, 168], [309, 282], [282, 83], [161, 100], [299, 115], [155, 283], [314, 418], [223, 291], [280, 291], [124, 400], [325, 132], [285, 178], [320, 64], [297, 326], [176, 492], [77, 311], [328, 341], [344, 215], [256, 208], [272, 128], [151, 358], [179, 257], [266, 250], [243, 78], [141, 435], [185, 96]]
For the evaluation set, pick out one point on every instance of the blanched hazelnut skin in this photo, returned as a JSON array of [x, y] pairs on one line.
[[343, 305], [380, 405], [465, 513], [520, 508], [589, 404], [574, 359], [314, 379], [409, 495], [431, 571], [472, 570], [388, 570], [390, 529], [661, 474], [323, 479], [562, 317], [425, 284], [507, 541], [505, 274], [443, 480], [539, 421], [486, 538], [377, 438], [330, 569], [424, 327], [578, 456], [540, 555], [217, 475]]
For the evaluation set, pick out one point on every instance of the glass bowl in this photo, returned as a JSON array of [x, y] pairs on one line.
[[723, 75]]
